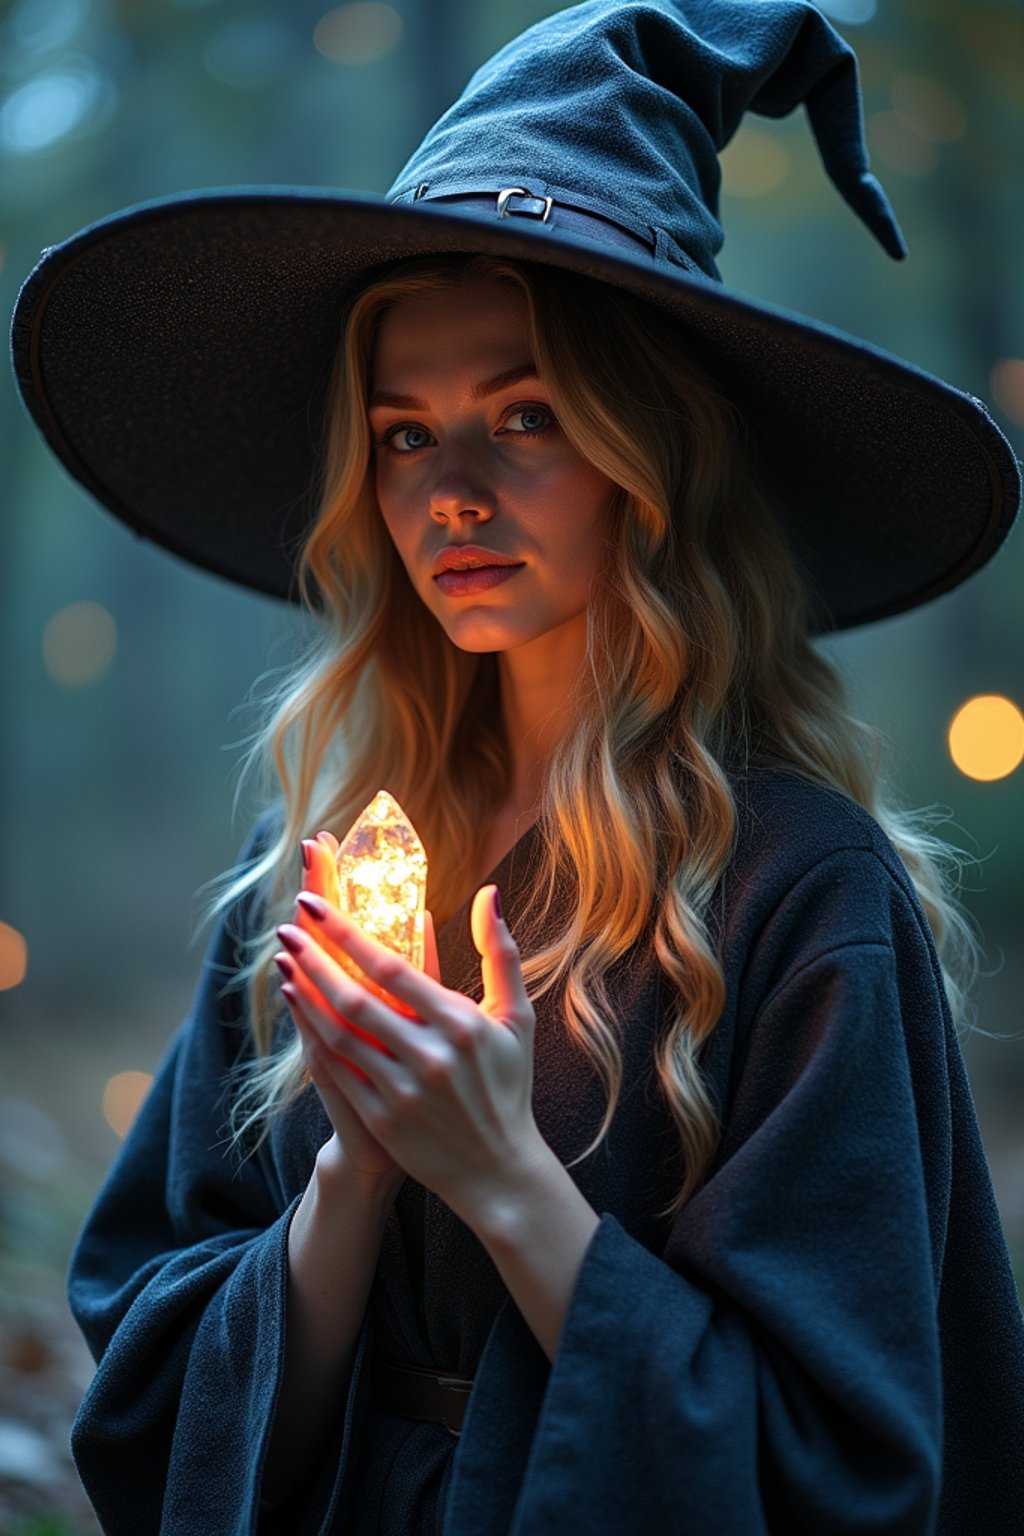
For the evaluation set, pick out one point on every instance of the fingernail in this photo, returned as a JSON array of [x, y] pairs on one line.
[[497, 906], [307, 857], [284, 966], [289, 992], [314, 905], [289, 941]]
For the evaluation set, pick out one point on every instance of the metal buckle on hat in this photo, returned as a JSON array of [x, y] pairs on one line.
[[504, 210]]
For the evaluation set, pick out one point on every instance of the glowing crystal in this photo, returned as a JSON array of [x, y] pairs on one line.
[[382, 881]]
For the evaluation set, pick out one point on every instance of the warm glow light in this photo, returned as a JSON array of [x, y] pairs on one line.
[[929, 106], [753, 164], [13, 957], [122, 1097], [359, 33], [900, 144], [986, 737], [1007, 384], [382, 881], [79, 643]]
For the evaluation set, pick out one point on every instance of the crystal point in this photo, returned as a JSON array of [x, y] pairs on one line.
[[382, 877]]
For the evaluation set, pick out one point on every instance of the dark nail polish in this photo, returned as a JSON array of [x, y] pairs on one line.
[[305, 853], [289, 942], [497, 905], [284, 966]]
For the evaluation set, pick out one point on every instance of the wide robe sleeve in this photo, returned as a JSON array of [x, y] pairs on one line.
[[178, 1282], [779, 1367]]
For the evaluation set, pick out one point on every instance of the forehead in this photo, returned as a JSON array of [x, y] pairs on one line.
[[470, 328]]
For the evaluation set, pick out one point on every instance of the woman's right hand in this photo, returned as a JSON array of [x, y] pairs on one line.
[[361, 1151]]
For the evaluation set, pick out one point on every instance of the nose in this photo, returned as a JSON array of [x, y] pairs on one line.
[[460, 485]]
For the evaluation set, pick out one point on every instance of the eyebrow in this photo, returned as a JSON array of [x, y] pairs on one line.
[[478, 392]]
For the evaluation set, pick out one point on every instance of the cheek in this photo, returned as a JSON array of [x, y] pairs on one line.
[[584, 499], [392, 509]]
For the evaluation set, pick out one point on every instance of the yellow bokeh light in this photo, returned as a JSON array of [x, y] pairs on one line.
[[901, 145], [13, 957], [79, 643], [753, 164], [1007, 384], [122, 1096], [359, 33], [932, 108], [986, 737]]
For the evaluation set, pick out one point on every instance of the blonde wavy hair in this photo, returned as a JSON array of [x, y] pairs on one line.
[[698, 661]]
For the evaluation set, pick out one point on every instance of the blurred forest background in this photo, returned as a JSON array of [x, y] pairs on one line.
[[128, 674]]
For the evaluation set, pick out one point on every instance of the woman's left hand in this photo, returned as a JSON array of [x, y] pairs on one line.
[[448, 1091]]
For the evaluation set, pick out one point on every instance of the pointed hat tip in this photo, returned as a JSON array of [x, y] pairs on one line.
[[876, 211]]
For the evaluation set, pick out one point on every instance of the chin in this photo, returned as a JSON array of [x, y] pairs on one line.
[[479, 642]]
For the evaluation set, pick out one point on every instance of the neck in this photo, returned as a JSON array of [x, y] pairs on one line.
[[536, 680]]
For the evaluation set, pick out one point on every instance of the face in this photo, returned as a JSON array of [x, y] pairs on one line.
[[468, 452]]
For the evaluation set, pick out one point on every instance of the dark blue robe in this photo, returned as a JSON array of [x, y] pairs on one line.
[[827, 1340]]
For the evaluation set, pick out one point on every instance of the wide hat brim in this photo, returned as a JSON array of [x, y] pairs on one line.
[[176, 355]]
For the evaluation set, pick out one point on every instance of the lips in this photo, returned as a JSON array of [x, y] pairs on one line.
[[470, 558], [481, 578], [491, 565]]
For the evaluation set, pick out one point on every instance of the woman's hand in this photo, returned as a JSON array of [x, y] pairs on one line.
[[443, 1087], [362, 1151]]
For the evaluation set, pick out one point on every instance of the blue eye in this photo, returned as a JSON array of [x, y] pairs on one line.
[[534, 418], [393, 434], [407, 437]]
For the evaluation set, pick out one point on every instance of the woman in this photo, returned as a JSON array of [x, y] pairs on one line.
[[661, 1205]]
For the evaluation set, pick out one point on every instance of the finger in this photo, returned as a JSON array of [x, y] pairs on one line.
[[314, 1054], [431, 963], [322, 875], [315, 867], [328, 841], [364, 1056], [317, 1011], [323, 1066], [320, 879], [344, 1004], [505, 996], [379, 970]]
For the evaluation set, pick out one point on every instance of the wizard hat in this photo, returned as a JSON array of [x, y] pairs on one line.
[[175, 355]]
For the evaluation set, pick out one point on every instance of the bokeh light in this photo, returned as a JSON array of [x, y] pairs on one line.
[[122, 1097], [79, 643], [929, 106], [986, 737], [754, 163], [853, 12], [1006, 382], [13, 957], [54, 104], [37, 26], [359, 33], [899, 144]]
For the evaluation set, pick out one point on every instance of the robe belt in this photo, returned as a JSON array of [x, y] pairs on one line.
[[416, 1393]]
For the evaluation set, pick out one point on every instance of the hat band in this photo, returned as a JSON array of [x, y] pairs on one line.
[[516, 202]]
